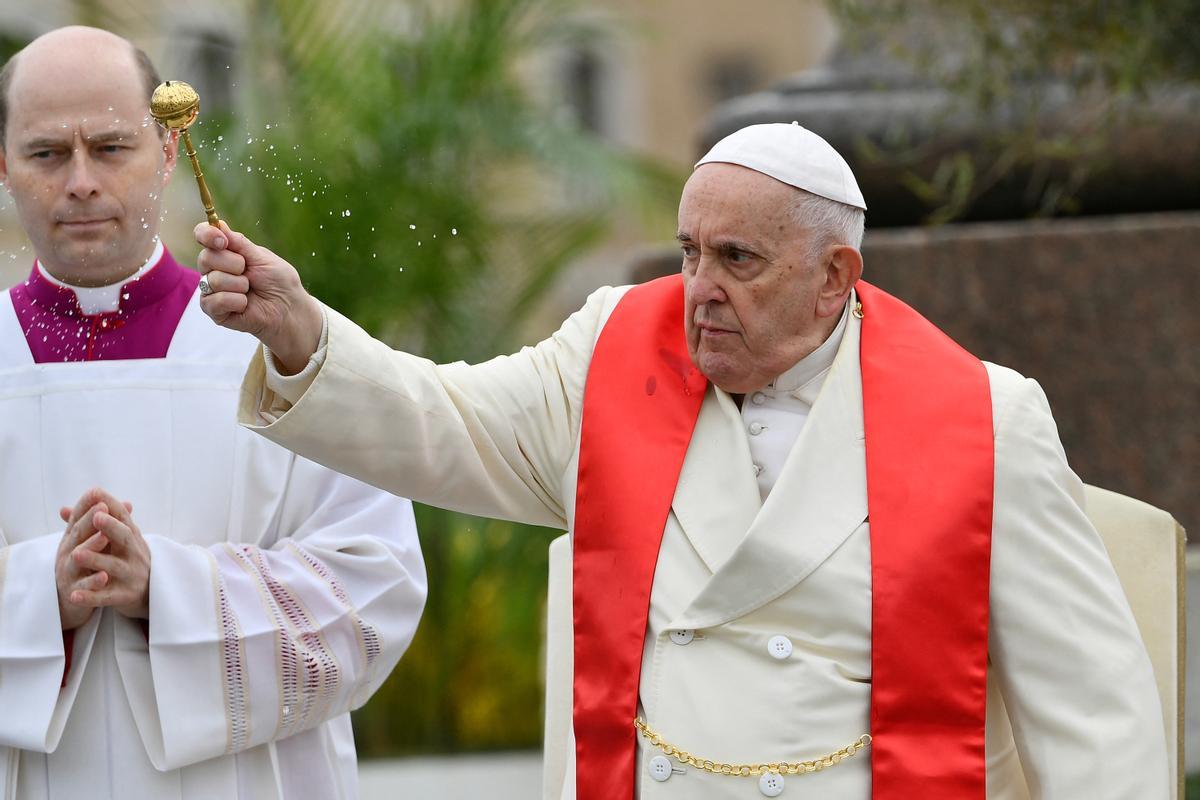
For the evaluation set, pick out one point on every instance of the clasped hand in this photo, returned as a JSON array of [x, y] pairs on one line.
[[102, 561]]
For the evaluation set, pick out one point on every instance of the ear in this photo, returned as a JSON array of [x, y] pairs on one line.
[[842, 271], [170, 155]]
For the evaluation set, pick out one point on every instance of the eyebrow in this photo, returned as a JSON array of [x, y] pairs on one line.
[[104, 137], [723, 245]]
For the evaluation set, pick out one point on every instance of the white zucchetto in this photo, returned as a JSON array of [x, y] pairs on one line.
[[791, 154]]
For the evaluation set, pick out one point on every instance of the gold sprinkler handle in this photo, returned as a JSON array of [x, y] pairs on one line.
[[205, 195]]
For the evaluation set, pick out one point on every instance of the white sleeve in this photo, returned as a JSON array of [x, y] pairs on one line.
[[34, 703], [492, 439], [249, 644], [290, 388], [1075, 676]]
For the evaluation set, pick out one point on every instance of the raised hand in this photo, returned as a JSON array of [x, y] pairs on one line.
[[256, 291], [115, 563]]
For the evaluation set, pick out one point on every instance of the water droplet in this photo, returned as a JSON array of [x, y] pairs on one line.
[[454, 231], [412, 227]]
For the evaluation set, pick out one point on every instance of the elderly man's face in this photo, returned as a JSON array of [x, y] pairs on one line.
[[83, 160], [754, 304]]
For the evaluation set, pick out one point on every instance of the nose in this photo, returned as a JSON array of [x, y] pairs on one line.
[[704, 285], [81, 183]]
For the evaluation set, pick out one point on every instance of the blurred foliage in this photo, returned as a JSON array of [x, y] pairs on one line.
[[411, 176], [985, 48], [395, 153], [1014, 64], [1192, 791]]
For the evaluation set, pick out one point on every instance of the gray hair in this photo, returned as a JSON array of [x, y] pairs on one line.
[[827, 221]]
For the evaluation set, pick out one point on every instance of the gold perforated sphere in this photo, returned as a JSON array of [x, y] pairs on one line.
[[175, 105]]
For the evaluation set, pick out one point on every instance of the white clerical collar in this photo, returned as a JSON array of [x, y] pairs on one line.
[[104, 299], [818, 361]]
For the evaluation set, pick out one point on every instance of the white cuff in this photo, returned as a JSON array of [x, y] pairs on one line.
[[292, 387]]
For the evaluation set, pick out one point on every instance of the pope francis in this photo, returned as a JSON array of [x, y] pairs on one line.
[[818, 549]]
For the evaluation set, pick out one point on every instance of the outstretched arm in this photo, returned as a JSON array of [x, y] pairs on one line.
[[494, 439]]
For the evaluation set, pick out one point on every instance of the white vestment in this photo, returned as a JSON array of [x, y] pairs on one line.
[[758, 640], [281, 593]]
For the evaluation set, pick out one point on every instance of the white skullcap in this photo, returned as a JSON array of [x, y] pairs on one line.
[[791, 154]]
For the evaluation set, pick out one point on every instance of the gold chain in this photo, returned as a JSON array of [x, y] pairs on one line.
[[747, 770]]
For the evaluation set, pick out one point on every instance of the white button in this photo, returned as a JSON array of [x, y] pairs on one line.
[[771, 784], [756, 428], [683, 637], [779, 646], [758, 468], [758, 398], [660, 768]]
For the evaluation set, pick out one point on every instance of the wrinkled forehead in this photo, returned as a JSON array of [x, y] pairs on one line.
[[737, 195], [59, 97]]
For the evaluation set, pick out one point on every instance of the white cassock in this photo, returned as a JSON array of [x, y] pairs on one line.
[[281, 593], [758, 643]]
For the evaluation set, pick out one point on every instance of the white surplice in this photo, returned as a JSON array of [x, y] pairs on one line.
[[281, 593]]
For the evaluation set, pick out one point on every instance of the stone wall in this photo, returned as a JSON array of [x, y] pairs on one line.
[[1104, 312]]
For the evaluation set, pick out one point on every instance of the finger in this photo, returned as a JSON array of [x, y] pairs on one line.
[[114, 507], [224, 306], [65, 513], [82, 527], [239, 243], [94, 543], [116, 568], [81, 507], [224, 282], [128, 506], [211, 238], [220, 261], [121, 534], [116, 595], [87, 586]]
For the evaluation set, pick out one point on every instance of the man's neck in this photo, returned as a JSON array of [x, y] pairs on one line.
[[105, 297], [820, 359], [75, 279]]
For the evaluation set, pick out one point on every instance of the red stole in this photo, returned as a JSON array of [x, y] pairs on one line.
[[929, 492]]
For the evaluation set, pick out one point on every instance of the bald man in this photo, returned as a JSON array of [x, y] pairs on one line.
[[186, 611]]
